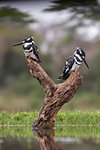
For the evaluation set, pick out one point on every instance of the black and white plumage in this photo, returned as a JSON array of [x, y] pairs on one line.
[[30, 49], [73, 63]]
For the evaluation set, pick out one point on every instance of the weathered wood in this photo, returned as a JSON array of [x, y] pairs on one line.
[[55, 95], [37, 72]]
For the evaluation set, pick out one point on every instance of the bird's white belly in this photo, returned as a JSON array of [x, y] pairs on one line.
[[75, 67], [30, 55]]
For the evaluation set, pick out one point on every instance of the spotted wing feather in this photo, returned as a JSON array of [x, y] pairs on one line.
[[35, 51], [67, 67]]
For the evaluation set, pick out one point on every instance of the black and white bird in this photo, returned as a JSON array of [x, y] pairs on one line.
[[73, 63], [30, 49]]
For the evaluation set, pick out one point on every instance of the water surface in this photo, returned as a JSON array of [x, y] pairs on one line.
[[61, 138]]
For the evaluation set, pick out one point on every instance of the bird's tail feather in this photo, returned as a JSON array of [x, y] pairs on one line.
[[39, 61], [60, 77]]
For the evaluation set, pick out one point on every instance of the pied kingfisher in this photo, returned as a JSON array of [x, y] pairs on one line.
[[73, 63], [30, 49]]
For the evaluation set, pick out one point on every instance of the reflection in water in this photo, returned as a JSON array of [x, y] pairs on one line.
[[17, 143], [1, 140], [67, 138], [47, 139]]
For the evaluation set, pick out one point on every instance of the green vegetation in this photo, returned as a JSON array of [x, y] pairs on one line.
[[7, 13], [78, 118], [69, 118]]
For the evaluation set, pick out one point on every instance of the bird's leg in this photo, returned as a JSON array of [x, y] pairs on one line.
[[28, 59], [72, 71]]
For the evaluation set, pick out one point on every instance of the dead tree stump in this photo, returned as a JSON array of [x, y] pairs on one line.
[[55, 95]]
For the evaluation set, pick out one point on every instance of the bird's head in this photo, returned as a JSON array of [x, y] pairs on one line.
[[28, 40], [79, 52]]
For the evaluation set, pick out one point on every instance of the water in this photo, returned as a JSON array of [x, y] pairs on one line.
[[62, 138]]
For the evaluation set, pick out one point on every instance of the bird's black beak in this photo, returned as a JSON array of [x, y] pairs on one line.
[[85, 62], [19, 43]]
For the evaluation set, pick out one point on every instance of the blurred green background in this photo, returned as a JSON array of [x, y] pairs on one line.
[[58, 27]]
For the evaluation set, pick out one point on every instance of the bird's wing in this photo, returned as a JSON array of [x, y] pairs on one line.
[[68, 65], [35, 48], [36, 52]]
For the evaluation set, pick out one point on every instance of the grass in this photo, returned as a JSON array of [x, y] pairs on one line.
[[69, 118], [78, 118]]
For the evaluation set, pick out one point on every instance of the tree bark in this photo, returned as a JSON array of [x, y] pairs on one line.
[[55, 95]]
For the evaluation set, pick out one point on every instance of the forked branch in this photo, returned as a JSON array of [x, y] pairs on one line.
[[55, 95]]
